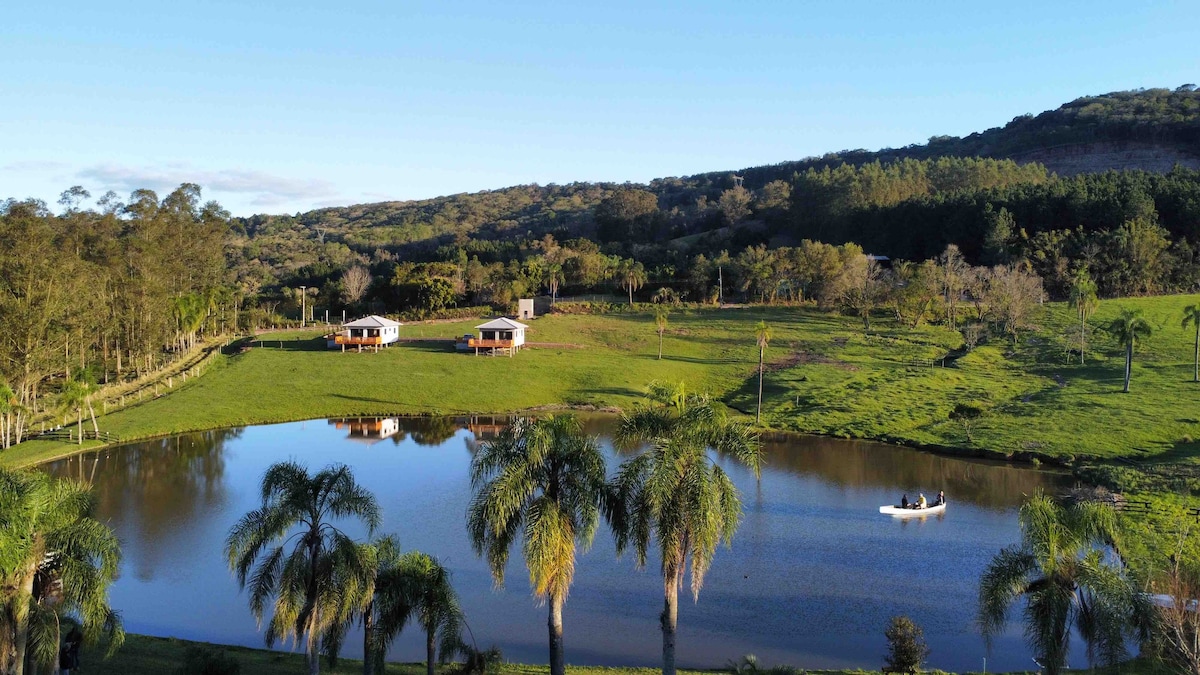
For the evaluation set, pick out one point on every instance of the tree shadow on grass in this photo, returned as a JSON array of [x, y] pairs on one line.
[[364, 399]]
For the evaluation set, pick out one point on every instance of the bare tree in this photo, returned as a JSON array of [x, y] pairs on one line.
[[1177, 623], [355, 282], [953, 280], [1013, 295]]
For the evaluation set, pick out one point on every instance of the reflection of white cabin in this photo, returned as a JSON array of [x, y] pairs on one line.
[[370, 331], [369, 430], [499, 335]]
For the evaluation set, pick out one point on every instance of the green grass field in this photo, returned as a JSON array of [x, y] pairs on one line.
[[144, 655], [825, 376]]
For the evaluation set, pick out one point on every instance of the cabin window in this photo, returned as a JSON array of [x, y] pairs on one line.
[[489, 335], [506, 335]]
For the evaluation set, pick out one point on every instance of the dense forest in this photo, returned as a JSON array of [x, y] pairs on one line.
[[95, 290]]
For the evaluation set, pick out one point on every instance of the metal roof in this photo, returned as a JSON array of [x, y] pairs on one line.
[[501, 324], [373, 321]]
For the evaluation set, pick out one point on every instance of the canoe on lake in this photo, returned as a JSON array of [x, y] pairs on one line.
[[907, 513]]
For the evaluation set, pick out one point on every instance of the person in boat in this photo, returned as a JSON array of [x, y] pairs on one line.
[[941, 498], [921, 503], [904, 501]]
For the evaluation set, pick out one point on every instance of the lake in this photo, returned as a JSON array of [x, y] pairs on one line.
[[812, 577]]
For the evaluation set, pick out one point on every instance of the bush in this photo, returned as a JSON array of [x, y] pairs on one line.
[[199, 660], [479, 662], [907, 650]]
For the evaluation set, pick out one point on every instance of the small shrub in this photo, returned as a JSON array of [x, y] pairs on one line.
[[966, 414], [201, 660], [907, 650], [478, 662]]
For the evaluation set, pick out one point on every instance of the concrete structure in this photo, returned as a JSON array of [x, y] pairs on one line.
[[369, 331], [525, 309]]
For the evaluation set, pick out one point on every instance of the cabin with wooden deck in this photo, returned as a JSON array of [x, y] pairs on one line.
[[499, 336], [371, 332]]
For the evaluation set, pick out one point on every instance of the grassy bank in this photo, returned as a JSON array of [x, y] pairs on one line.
[[144, 655], [826, 375]]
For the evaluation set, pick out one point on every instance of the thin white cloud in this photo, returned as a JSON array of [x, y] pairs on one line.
[[33, 165], [262, 189]]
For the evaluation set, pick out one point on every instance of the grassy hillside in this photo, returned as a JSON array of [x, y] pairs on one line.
[[825, 376]]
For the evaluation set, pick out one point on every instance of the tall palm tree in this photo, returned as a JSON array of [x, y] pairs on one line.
[[632, 275], [56, 561], [1191, 315], [1060, 569], [424, 589], [1084, 301], [672, 494], [543, 480], [308, 575], [554, 277], [660, 322], [76, 397], [762, 334], [8, 406], [381, 558], [1130, 328]]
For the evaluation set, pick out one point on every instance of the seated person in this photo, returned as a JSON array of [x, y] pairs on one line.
[[941, 498], [904, 501], [921, 503]]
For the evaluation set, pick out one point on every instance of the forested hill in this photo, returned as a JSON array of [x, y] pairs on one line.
[[1147, 129]]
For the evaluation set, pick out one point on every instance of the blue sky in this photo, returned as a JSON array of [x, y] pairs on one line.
[[286, 106]]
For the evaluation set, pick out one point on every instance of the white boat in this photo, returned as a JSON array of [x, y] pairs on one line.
[[909, 513]]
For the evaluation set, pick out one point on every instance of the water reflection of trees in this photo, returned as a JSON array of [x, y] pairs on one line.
[[861, 464], [153, 492]]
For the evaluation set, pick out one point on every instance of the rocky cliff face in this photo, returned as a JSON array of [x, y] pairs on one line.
[[1068, 160]]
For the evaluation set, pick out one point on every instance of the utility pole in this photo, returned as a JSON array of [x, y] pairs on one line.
[[303, 305]]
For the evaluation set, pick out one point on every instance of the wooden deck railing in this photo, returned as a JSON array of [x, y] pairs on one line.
[[349, 340], [489, 344]]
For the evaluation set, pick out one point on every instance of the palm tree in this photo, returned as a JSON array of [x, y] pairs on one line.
[[1060, 569], [8, 406], [76, 397], [1084, 301], [660, 321], [544, 480], [1191, 315], [762, 333], [425, 589], [311, 583], [56, 561], [674, 494], [632, 275], [1129, 328], [554, 277], [382, 557]]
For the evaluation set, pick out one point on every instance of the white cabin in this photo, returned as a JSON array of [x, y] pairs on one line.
[[499, 335], [369, 331]]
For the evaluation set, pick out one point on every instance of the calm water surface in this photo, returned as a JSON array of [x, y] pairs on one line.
[[812, 578]]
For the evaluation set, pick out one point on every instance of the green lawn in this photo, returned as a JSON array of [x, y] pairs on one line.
[[144, 655], [826, 376]]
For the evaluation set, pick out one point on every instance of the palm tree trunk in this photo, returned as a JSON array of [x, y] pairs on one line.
[[630, 295], [92, 412], [81, 424], [1128, 364], [758, 414], [557, 664], [314, 641], [660, 335], [368, 636], [670, 618], [431, 651], [22, 628]]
